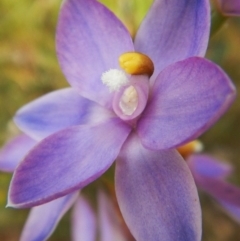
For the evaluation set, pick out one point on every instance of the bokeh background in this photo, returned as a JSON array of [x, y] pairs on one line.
[[29, 68]]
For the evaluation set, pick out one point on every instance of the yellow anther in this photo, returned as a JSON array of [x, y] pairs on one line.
[[189, 148], [136, 63]]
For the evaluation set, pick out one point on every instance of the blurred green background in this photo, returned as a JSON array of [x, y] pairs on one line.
[[29, 68]]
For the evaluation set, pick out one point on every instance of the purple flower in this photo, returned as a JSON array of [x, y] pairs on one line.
[[108, 114], [229, 7]]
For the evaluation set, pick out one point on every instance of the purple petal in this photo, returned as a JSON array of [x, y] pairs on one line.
[[56, 111], [83, 222], [14, 151], [205, 165], [172, 32], [233, 211], [187, 98], [209, 174], [229, 7], [66, 161], [110, 223], [219, 189], [90, 40], [43, 219], [156, 194]]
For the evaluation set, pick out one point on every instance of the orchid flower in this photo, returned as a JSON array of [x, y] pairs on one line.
[[229, 7], [161, 95], [210, 176]]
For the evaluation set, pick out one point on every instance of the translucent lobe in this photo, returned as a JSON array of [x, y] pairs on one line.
[[84, 223], [156, 194], [130, 101], [171, 32], [89, 41], [66, 161], [43, 219], [14, 151], [186, 99], [56, 111]]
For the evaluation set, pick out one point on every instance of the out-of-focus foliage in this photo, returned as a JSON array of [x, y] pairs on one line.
[[29, 68], [131, 12], [28, 63], [223, 139]]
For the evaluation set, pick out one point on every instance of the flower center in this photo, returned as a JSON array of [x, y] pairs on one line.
[[131, 85], [129, 101]]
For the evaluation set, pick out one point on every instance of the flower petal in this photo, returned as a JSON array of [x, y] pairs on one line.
[[187, 98], [205, 165], [66, 161], [172, 32], [83, 222], [209, 175], [90, 40], [13, 152], [43, 219], [110, 222], [233, 211], [219, 189], [229, 7], [56, 111], [156, 194]]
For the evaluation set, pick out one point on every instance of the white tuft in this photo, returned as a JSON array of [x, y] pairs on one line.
[[114, 79]]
